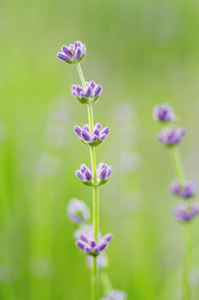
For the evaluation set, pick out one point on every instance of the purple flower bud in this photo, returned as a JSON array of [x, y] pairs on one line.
[[88, 92], [88, 175], [184, 213], [83, 237], [67, 51], [188, 190], [86, 127], [175, 187], [75, 52], [108, 237], [83, 168], [164, 113], [106, 131], [80, 244], [97, 90], [109, 171], [171, 136], [87, 250], [94, 138], [103, 245], [78, 130], [97, 126], [85, 135], [102, 137], [79, 174], [96, 132], [92, 84], [102, 174], [92, 243], [78, 212], [63, 56]]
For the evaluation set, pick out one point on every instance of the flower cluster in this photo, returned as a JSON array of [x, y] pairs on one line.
[[96, 137], [78, 211], [73, 53], [87, 95], [90, 246], [171, 136], [116, 295], [186, 191], [103, 173]]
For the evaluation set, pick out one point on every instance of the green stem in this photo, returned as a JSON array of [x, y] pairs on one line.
[[186, 291], [106, 282], [94, 272]]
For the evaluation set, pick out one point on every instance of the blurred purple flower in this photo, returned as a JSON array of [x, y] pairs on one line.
[[186, 191], [90, 246], [77, 211], [164, 113], [90, 94], [73, 53], [184, 213], [116, 295], [171, 136], [97, 136]]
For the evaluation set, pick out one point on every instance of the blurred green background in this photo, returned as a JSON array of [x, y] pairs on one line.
[[143, 52]]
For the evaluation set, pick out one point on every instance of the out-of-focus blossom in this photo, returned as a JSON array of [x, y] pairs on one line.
[[116, 295], [95, 138], [184, 213], [90, 94], [77, 211], [163, 113], [102, 261], [187, 190], [171, 136], [73, 53]]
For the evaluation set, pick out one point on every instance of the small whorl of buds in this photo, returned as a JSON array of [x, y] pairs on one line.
[[163, 113], [171, 136], [87, 95], [103, 173], [91, 246], [116, 295], [184, 213], [77, 211], [84, 174], [186, 191], [95, 138], [73, 53]]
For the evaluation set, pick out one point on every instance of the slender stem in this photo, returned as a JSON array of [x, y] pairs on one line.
[[186, 291], [95, 271], [106, 282]]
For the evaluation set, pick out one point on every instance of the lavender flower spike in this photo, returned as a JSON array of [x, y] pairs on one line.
[[73, 53], [77, 211], [90, 246], [163, 113], [186, 191], [97, 136], [171, 136], [87, 95], [116, 295], [183, 213], [103, 173], [85, 175]]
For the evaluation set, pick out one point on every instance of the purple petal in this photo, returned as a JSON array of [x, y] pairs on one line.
[[78, 53], [80, 244], [79, 174], [109, 171], [92, 84], [97, 126], [103, 245], [102, 137], [94, 138], [106, 131], [96, 132], [78, 130], [93, 243], [86, 127], [88, 175], [96, 250], [83, 168], [67, 51], [102, 174], [87, 250], [88, 92], [83, 237], [63, 56], [108, 237], [97, 90], [85, 135]]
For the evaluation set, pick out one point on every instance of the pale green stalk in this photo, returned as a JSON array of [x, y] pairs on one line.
[[186, 291], [106, 282], [94, 275]]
